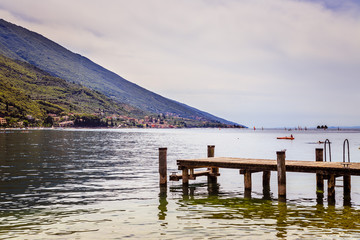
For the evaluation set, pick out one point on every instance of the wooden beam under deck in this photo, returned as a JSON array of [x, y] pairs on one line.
[[177, 177]]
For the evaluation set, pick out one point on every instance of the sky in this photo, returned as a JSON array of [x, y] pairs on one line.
[[278, 63]]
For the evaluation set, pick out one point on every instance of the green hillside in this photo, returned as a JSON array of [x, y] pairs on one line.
[[30, 94], [21, 44], [30, 97]]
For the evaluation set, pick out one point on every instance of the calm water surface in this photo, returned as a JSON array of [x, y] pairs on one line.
[[103, 184]]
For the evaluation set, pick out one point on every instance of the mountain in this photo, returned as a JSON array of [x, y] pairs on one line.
[[27, 92], [31, 97], [21, 44]]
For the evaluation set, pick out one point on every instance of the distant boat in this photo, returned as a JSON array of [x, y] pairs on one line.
[[287, 138]]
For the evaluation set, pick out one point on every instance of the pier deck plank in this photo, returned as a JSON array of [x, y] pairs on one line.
[[337, 168]]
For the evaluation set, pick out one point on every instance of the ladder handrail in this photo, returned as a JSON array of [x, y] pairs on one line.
[[348, 149], [327, 141]]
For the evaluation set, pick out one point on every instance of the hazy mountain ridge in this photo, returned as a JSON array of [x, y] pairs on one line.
[[19, 43]]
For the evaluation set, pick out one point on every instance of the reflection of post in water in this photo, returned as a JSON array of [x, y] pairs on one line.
[[185, 190], [320, 198], [247, 193], [281, 221], [213, 189], [320, 210], [188, 192], [162, 203]]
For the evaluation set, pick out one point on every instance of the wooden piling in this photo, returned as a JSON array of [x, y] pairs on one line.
[[266, 180], [185, 176], [210, 151], [247, 180], [319, 157], [347, 190], [212, 178], [331, 185], [163, 166], [266, 185], [347, 185], [281, 169], [331, 189]]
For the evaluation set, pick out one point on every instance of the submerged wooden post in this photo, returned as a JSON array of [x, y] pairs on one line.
[[247, 180], [185, 176], [319, 157], [266, 179], [247, 183], [266, 184], [331, 189], [212, 179], [163, 166], [281, 169], [347, 190], [347, 184], [210, 151]]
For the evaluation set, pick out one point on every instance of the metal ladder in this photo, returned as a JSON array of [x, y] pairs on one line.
[[327, 141], [345, 144]]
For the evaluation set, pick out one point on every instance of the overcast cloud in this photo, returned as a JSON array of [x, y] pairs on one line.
[[256, 62]]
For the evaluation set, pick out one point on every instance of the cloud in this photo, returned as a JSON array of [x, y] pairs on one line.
[[256, 62]]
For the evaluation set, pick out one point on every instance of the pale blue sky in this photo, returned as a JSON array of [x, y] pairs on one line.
[[268, 63]]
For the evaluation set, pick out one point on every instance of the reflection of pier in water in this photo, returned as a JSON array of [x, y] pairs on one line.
[[282, 215], [324, 171]]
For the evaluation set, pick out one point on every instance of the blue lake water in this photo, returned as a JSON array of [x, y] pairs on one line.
[[104, 184]]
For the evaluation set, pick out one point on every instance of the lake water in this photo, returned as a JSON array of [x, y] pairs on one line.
[[104, 184]]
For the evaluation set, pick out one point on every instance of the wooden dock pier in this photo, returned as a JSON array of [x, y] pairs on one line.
[[324, 171]]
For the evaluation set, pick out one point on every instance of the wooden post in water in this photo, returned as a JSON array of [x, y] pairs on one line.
[[347, 190], [185, 176], [247, 183], [281, 169], [212, 178], [319, 157], [266, 184], [247, 180], [266, 179], [163, 166], [347, 184], [331, 189], [210, 151]]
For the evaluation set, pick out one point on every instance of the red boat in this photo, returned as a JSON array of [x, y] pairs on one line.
[[288, 138]]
